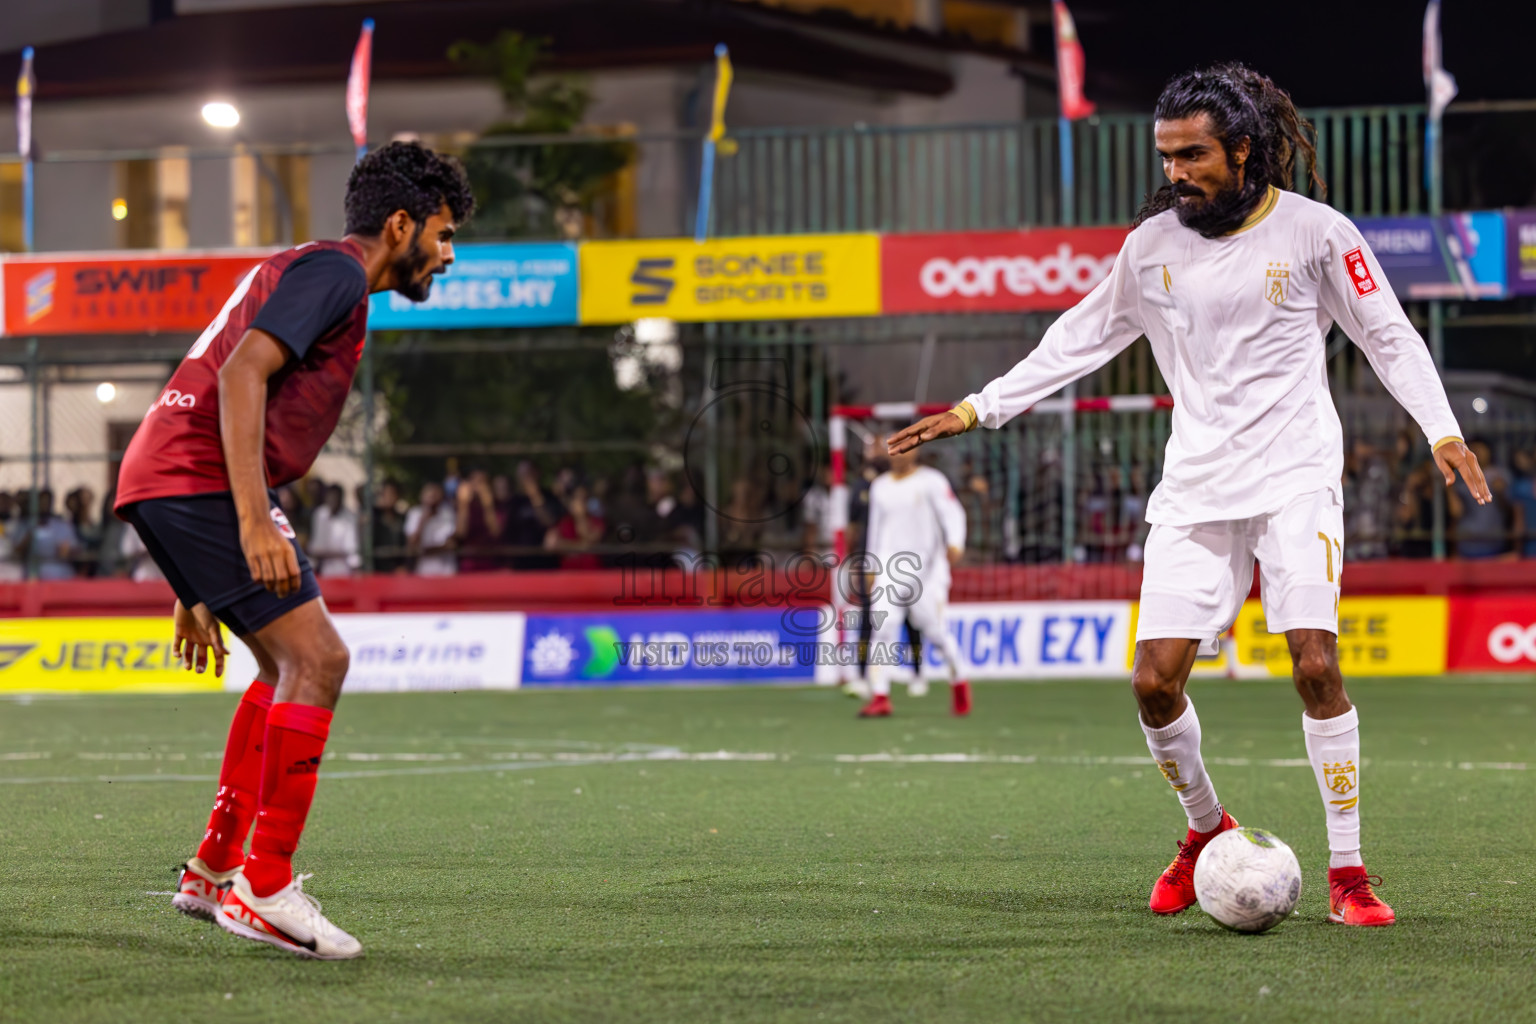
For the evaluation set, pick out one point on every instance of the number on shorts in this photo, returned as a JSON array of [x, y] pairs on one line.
[[1329, 544]]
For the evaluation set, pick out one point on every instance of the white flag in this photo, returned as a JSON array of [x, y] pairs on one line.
[[1440, 82]]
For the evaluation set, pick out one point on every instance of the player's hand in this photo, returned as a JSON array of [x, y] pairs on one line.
[[944, 424], [1456, 458], [955, 554], [270, 557], [198, 636]]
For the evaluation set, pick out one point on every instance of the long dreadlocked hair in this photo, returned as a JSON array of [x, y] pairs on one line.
[[1241, 103]]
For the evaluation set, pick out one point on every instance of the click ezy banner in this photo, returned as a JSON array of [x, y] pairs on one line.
[[752, 278]]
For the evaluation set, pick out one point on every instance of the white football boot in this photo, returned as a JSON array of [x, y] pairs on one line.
[[199, 889], [289, 919]]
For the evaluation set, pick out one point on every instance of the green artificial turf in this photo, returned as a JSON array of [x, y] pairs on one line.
[[544, 856]]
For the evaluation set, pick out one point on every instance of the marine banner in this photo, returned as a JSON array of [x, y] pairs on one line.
[[752, 278]]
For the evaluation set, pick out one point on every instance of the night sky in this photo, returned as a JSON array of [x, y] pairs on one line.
[[1337, 52]]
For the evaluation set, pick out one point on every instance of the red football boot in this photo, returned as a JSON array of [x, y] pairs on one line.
[[960, 697], [879, 707], [1353, 901], [1174, 891]]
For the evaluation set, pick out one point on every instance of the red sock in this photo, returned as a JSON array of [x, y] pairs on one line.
[[234, 806], [296, 735]]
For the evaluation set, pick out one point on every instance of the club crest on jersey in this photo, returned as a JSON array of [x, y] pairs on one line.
[[284, 527], [1360, 273], [1277, 282]]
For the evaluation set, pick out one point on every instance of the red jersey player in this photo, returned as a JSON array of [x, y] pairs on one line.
[[247, 410]]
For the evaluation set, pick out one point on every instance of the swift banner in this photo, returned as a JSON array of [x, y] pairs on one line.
[[994, 270], [1456, 256], [490, 286], [765, 278], [1522, 252], [119, 294]]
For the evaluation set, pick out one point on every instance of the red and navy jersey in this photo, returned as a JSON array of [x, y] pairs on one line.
[[313, 299]]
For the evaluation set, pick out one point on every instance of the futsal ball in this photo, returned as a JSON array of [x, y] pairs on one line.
[[1247, 880]]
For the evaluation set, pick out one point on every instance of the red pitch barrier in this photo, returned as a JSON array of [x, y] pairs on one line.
[[605, 589]]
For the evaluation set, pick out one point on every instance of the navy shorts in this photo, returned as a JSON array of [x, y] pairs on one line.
[[195, 540]]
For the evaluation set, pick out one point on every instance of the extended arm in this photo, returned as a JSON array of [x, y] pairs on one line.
[[951, 518], [1356, 294], [1083, 339]]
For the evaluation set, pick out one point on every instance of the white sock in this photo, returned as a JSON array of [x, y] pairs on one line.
[[1176, 750], [1333, 747], [951, 651]]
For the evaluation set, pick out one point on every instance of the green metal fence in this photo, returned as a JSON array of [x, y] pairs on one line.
[[977, 177]]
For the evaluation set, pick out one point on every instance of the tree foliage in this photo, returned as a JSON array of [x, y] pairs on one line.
[[534, 188]]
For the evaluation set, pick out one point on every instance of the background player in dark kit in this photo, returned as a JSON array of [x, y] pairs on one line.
[[247, 410]]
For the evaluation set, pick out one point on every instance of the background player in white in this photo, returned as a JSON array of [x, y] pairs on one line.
[[1235, 283], [916, 532]]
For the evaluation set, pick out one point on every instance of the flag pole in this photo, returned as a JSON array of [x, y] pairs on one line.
[[25, 87], [357, 120], [723, 75]]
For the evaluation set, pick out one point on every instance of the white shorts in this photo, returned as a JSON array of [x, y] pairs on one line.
[[923, 610], [1196, 578]]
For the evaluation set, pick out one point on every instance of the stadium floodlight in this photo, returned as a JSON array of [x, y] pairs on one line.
[[219, 114]]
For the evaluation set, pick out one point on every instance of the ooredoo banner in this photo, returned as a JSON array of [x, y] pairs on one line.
[[1493, 634], [117, 293], [994, 270]]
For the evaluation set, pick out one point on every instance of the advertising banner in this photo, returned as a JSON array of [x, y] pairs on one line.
[[1028, 640], [994, 270], [1378, 636], [1493, 634], [410, 652], [490, 286], [1522, 252], [119, 293], [1456, 256], [95, 655], [657, 648], [764, 278]]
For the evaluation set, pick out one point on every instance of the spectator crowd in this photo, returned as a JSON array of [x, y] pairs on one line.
[[472, 521]]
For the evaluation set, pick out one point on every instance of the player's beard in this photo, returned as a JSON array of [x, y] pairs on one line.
[[1219, 215], [405, 269]]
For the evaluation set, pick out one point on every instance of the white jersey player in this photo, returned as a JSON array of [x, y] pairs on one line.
[[1235, 284], [916, 531]]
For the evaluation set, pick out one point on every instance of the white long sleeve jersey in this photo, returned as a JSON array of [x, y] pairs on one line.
[[914, 518], [1238, 326]]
